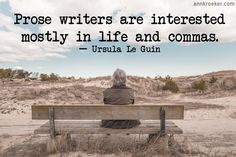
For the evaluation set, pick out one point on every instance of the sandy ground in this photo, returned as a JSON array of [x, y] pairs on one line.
[[209, 126]]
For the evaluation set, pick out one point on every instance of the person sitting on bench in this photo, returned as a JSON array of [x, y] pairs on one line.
[[119, 94]]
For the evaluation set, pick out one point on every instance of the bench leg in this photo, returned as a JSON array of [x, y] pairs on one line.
[[163, 121], [51, 122], [161, 139]]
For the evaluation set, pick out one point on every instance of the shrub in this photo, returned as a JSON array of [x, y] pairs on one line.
[[44, 77], [52, 77], [170, 85], [212, 80], [21, 74], [5, 73], [9, 73], [200, 85]]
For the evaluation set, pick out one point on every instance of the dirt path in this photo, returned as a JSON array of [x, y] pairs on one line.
[[214, 134]]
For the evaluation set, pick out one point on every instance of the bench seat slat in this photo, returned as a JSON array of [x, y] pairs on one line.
[[78, 127], [96, 123], [117, 112]]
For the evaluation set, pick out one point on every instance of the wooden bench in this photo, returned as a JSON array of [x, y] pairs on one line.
[[70, 119]]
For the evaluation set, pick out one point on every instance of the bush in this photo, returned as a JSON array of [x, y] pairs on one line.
[[200, 85], [5, 73], [212, 80], [44, 77], [170, 85], [52, 77], [22, 74], [9, 74]]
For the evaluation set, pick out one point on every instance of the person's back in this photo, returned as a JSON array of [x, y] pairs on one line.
[[119, 94]]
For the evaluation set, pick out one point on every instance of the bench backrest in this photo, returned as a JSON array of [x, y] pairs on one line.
[[101, 111]]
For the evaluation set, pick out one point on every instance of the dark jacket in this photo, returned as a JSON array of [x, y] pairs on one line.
[[119, 96]]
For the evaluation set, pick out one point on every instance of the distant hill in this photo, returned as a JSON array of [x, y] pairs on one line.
[[210, 83], [214, 81]]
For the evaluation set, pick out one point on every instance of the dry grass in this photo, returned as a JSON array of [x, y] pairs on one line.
[[120, 145], [60, 144], [30, 93], [113, 145], [5, 136], [233, 115], [123, 145]]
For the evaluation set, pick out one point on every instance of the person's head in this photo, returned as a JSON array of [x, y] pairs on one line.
[[119, 78]]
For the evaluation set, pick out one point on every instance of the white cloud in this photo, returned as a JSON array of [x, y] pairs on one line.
[[13, 50]]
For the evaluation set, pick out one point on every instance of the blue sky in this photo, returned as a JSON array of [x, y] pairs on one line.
[[175, 59]]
